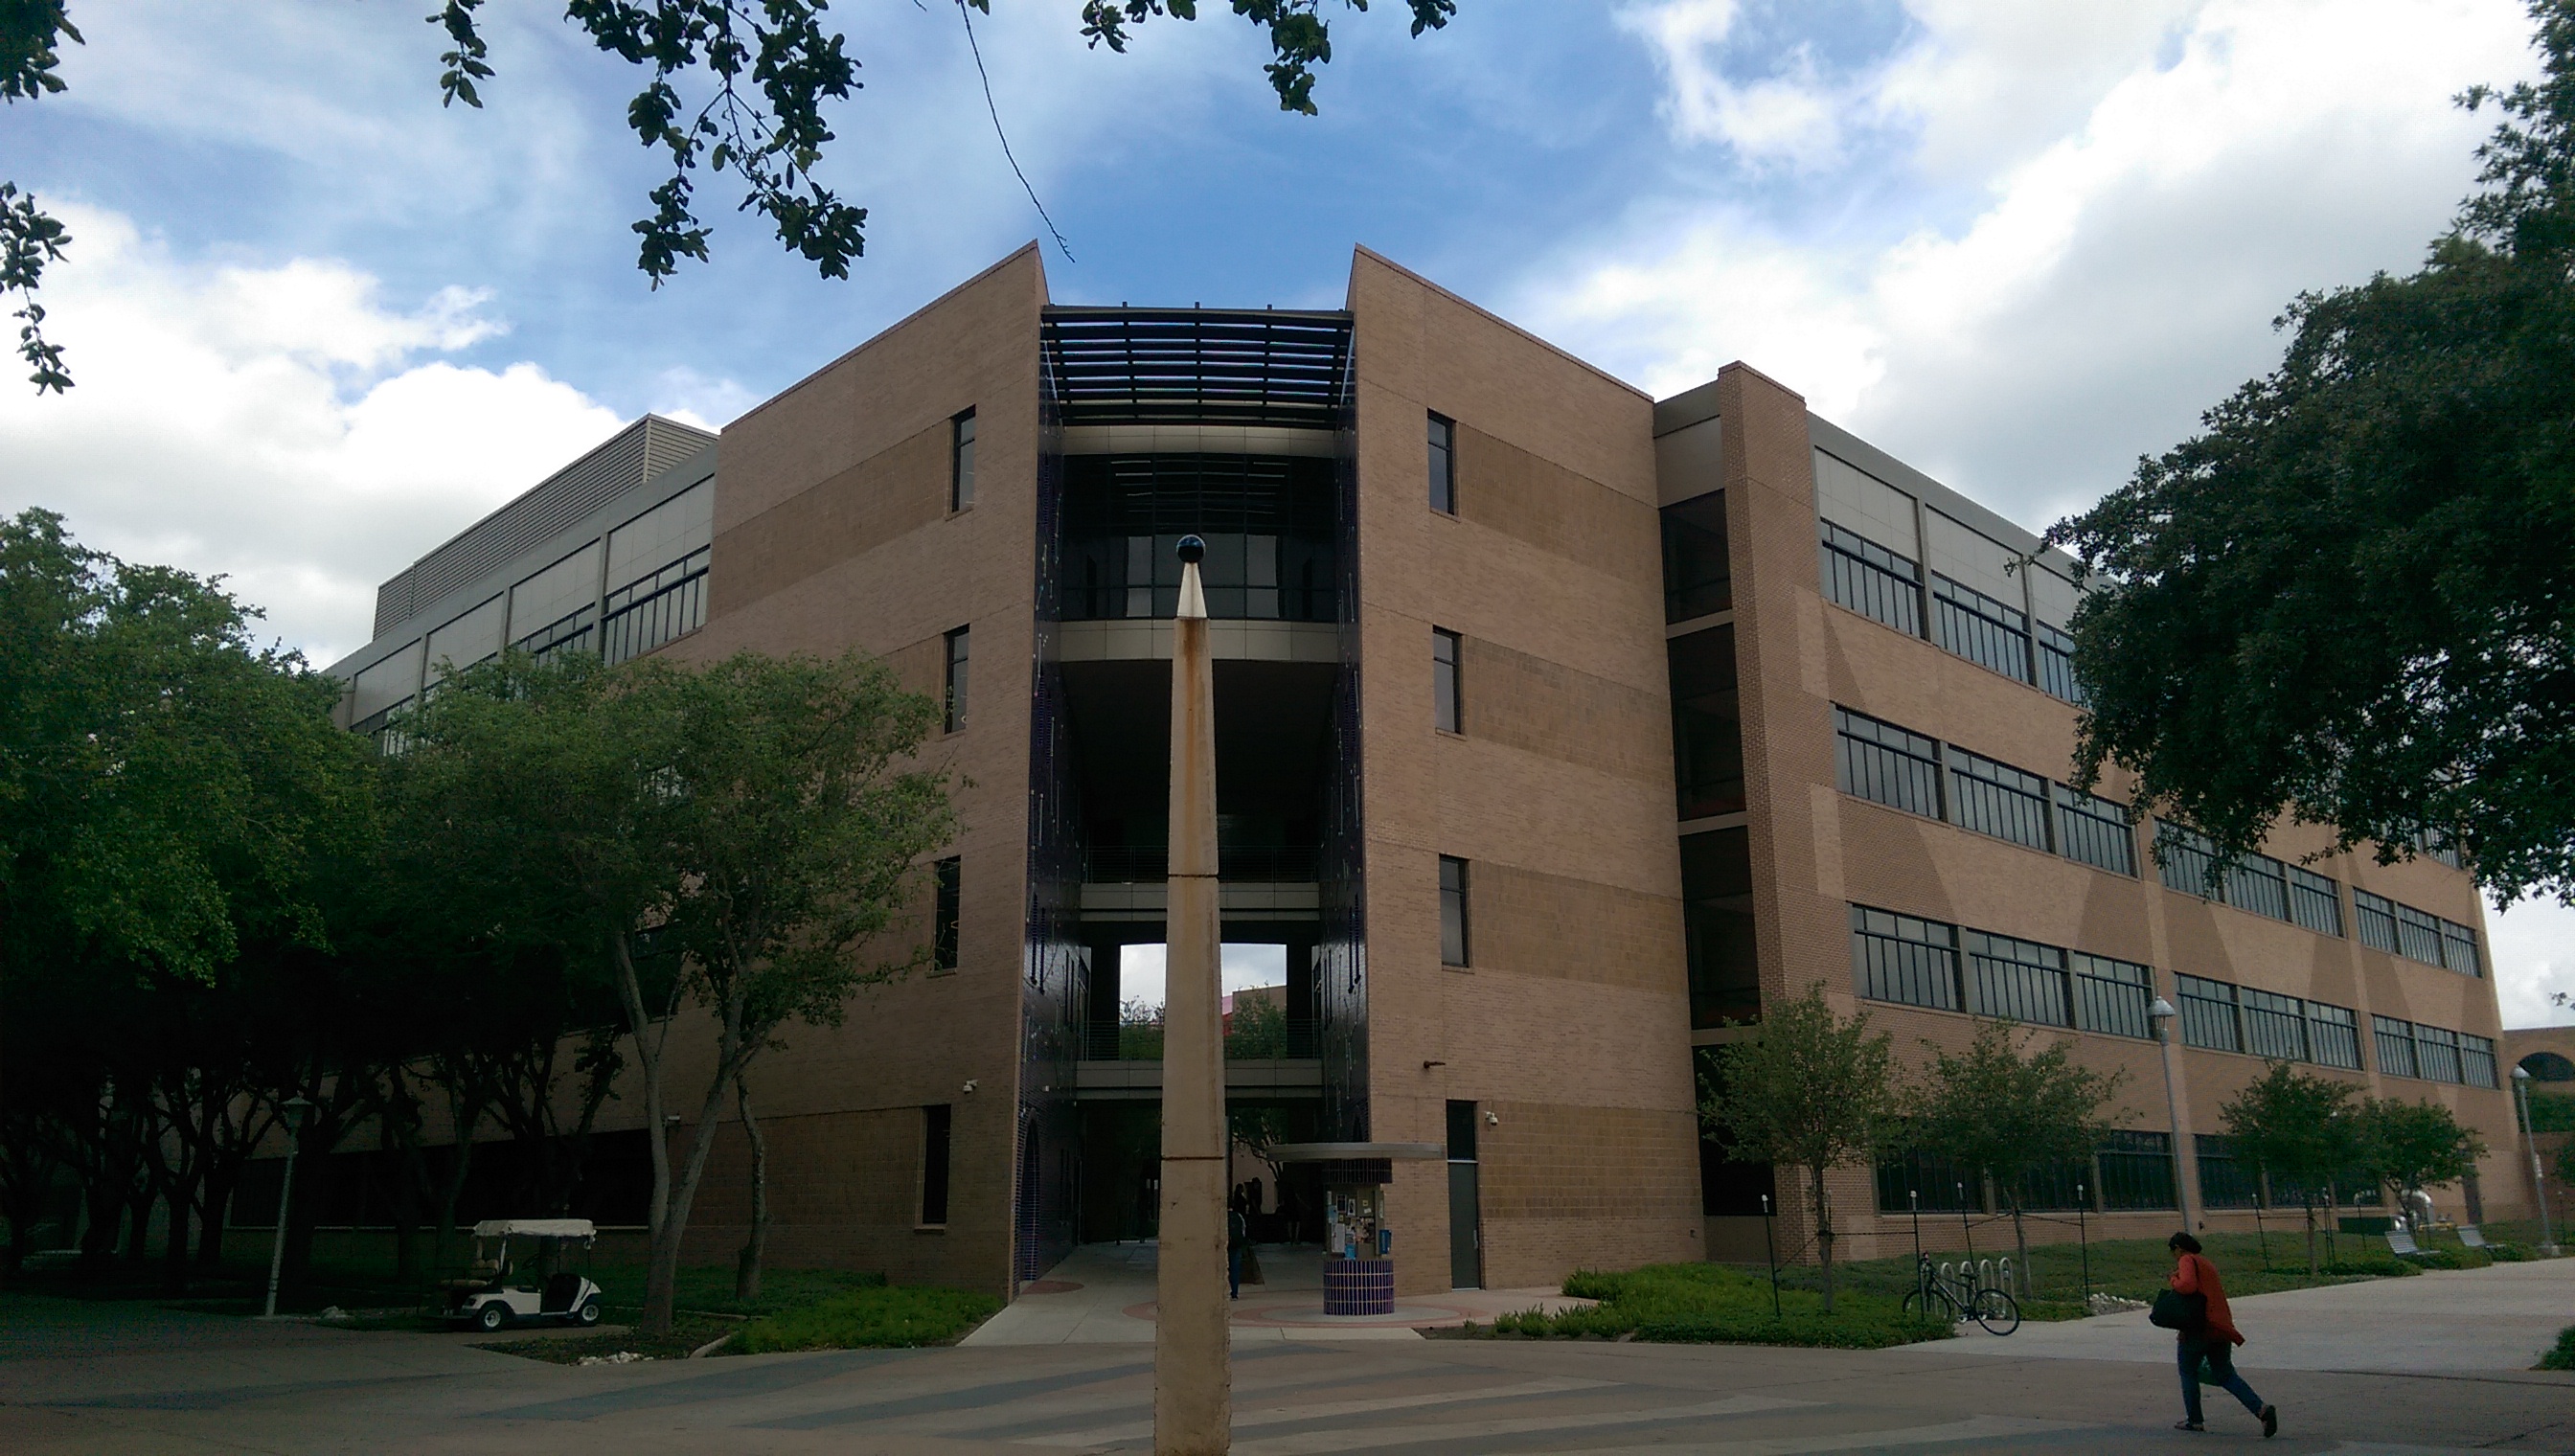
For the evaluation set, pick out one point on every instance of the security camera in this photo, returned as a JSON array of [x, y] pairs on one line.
[[970, 1085], [1492, 1120]]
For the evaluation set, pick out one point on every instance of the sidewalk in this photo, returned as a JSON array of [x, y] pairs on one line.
[[1104, 1294], [2446, 1323]]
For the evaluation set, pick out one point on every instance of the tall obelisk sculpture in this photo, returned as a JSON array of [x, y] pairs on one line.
[[1193, 1356]]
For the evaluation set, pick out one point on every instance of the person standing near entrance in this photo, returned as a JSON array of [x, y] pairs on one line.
[[2213, 1340], [1237, 1237]]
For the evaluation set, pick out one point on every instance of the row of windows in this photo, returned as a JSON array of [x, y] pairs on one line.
[[1901, 769], [2227, 1181], [2186, 860], [2130, 1171], [1881, 585], [663, 608], [2223, 1017], [1920, 962], [2401, 930], [2408, 1049]]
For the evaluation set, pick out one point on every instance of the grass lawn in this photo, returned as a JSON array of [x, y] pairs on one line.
[[1715, 1304], [869, 1318]]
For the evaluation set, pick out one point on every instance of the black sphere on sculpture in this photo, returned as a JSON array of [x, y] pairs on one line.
[[1192, 549]]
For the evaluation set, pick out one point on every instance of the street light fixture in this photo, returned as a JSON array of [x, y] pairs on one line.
[[2160, 1016], [2538, 1179], [294, 1111]]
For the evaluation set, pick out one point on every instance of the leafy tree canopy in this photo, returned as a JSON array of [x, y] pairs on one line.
[[2004, 1114], [2350, 601], [2300, 1128], [2418, 1145], [737, 86]]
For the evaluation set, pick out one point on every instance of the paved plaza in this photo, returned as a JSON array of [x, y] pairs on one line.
[[2432, 1364]]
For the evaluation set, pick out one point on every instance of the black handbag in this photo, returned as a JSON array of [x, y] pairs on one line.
[[2175, 1310]]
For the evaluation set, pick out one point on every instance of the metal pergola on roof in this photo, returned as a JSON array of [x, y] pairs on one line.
[[1271, 367]]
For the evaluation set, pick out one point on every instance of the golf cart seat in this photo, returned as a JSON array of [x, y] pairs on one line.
[[559, 1292]]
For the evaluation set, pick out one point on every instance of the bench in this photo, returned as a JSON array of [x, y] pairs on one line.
[[2401, 1242], [2471, 1235]]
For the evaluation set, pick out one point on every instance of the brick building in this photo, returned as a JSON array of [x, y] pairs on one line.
[[1558, 727]]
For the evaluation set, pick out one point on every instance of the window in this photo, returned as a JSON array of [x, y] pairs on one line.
[[1698, 574], [2395, 1045], [1983, 630], [661, 608], [2314, 901], [1716, 920], [2418, 936], [2208, 1014], [1901, 958], [1915, 1181], [1881, 761], [1998, 800], [1870, 579], [2136, 1170], [1444, 465], [956, 681], [961, 462], [2112, 995], [2225, 1181], [2334, 1036], [937, 1121], [2377, 919], [2186, 860], [2275, 1026], [944, 923], [2018, 981], [1447, 711], [2476, 1060], [2057, 664], [2459, 948], [2094, 831], [1708, 723], [2436, 1054], [1452, 911], [1462, 1132], [2258, 882]]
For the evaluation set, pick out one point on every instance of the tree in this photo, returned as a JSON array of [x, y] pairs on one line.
[[2301, 1130], [735, 86], [2417, 1144], [802, 828], [2007, 1116], [2347, 601], [1810, 1088]]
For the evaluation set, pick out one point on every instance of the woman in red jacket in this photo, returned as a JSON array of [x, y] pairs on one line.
[[2214, 1341]]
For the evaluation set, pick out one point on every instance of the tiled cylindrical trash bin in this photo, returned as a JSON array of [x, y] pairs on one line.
[[1358, 1286]]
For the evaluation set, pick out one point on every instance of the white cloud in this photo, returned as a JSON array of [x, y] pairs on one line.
[[1790, 117], [284, 425], [2534, 957]]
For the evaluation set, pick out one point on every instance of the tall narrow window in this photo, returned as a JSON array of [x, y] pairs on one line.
[[1452, 911], [1447, 711], [1444, 465], [956, 693], [936, 1123], [961, 462], [943, 931]]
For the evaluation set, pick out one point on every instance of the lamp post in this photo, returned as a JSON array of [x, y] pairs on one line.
[[294, 1111], [2160, 1016], [2538, 1179]]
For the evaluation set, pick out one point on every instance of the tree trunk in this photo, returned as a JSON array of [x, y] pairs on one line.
[[746, 1277], [1823, 1234], [661, 1279], [174, 1249], [656, 1137], [2311, 1235], [2020, 1253]]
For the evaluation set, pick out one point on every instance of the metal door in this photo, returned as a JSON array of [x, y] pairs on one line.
[[1466, 1229]]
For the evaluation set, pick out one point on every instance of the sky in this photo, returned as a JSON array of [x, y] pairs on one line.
[[321, 323]]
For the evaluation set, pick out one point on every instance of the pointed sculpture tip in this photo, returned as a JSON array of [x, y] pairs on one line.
[[1193, 596]]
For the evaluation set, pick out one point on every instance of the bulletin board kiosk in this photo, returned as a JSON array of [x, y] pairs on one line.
[[1358, 1246]]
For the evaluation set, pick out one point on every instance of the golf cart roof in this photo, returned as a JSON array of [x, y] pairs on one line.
[[535, 1228]]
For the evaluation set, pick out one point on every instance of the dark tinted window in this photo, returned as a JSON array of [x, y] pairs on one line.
[[1698, 576]]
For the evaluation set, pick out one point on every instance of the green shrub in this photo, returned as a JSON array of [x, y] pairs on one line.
[[1719, 1304], [864, 1318], [2562, 1357], [2509, 1255]]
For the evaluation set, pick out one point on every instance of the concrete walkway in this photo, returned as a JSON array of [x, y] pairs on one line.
[[2455, 1322], [1103, 1295]]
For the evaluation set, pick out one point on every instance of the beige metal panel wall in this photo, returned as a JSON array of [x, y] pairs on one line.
[[1570, 1024], [833, 531]]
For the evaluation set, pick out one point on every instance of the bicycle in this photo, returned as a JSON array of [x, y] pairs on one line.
[[1988, 1306]]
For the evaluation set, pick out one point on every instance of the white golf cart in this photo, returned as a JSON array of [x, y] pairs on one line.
[[493, 1295]]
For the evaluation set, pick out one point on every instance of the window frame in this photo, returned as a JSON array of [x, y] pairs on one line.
[[1455, 894], [960, 460], [1920, 753], [946, 923], [934, 1190], [1441, 476], [955, 651], [1447, 680]]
